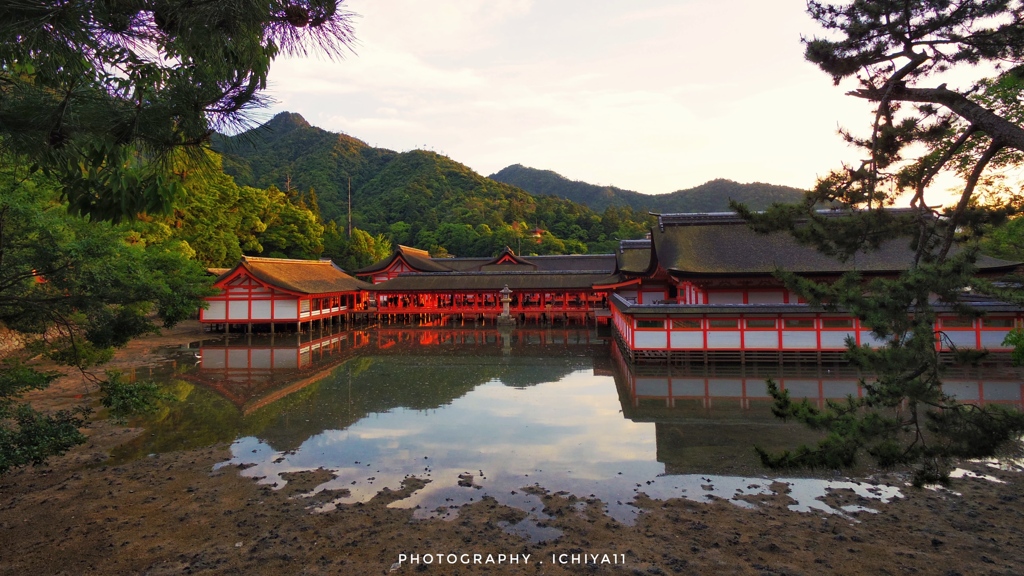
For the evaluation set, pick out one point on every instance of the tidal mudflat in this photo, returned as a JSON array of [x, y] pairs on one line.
[[540, 444]]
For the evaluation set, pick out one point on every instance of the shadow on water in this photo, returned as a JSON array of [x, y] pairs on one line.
[[510, 415]]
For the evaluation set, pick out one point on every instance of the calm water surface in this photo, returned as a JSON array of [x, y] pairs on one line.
[[508, 415]]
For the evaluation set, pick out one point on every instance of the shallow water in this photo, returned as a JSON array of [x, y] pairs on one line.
[[506, 415]]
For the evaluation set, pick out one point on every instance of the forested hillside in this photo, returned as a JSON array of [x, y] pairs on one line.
[[415, 198], [711, 196], [289, 153]]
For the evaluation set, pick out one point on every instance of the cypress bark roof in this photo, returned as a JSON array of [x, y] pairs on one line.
[[634, 256], [491, 281], [464, 264], [302, 276], [509, 262], [724, 245], [574, 262], [414, 257]]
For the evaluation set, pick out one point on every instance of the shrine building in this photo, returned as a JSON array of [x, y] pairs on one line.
[[709, 290], [701, 287], [273, 291], [412, 286]]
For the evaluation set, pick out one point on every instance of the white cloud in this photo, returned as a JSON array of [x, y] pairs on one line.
[[653, 97]]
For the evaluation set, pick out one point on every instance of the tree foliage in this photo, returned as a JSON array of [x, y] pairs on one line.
[[922, 131], [293, 230], [26, 435], [80, 289], [124, 398], [106, 95], [358, 251], [419, 198], [105, 109]]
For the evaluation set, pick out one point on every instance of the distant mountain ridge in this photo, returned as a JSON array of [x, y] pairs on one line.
[[711, 196], [415, 198], [428, 200], [289, 152]]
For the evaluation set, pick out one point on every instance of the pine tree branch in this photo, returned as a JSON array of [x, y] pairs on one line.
[[981, 118], [968, 193], [937, 166]]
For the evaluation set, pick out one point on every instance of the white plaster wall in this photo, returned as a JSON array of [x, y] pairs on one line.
[[963, 390], [758, 339], [261, 309], [802, 388], [765, 298], [687, 340], [687, 387], [725, 387], [645, 339], [723, 339], [867, 338], [725, 297], [799, 339], [652, 387], [238, 310], [834, 339], [285, 309], [215, 311], [993, 339], [965, 339], [653, 297], [839, 388]]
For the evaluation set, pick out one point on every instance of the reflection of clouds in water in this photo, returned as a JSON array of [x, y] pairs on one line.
[[369, 433], [1006, 463], [961, 473], [566, 436]]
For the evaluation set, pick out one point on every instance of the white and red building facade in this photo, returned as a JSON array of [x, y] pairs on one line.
[[709, 290], [272, 291]]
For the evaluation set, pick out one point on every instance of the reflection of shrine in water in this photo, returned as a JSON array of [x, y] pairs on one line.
[[254, 371], [738, 385], [510, 402], [709, 416]]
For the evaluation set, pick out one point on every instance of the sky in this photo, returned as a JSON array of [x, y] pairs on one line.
[[652, 96]]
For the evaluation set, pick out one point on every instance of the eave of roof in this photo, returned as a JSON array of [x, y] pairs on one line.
[[725, 246], [680, 310], [299, 276], [414, 261], [634, 260], [465, 281]]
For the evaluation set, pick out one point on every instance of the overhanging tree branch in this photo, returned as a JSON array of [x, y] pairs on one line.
[[965, 197], [977, 115]]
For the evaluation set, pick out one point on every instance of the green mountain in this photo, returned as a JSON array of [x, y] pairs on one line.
[[712, 196], [291, 154], [415, 198], [430, 201]]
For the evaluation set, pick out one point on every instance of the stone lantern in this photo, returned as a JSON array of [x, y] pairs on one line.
[[505, 318]]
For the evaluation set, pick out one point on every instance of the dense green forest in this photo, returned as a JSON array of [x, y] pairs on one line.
[[428, 200], [110, 202], [713, 196], [415, 198]]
